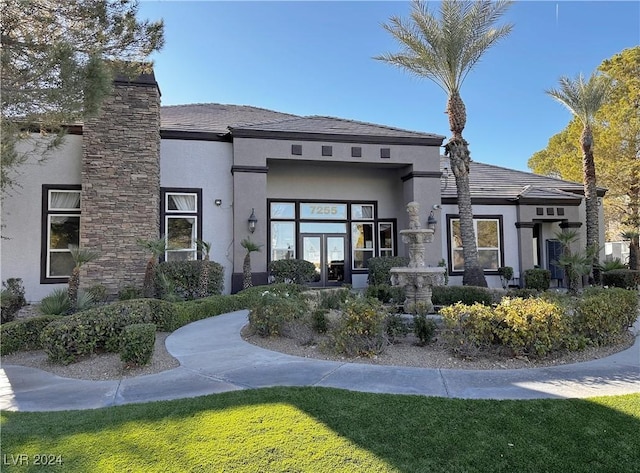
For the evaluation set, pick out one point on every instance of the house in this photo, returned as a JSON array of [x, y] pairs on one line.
[[329, 190]]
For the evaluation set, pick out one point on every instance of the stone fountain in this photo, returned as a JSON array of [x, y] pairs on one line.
[[417, 279]]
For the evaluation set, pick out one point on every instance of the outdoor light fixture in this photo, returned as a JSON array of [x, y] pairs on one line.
[[431, 221], [252, 221], [218, 202]]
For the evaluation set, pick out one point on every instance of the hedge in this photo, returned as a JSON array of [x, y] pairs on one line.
[[137, 344], [379, 268], [294, 271], [184, 277], [622, 278], [23, 334]]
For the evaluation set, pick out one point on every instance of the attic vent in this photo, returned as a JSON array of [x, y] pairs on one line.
[[327, 151], [560, 211], [296, 150], [550, 211], [385, 152], [539, 211], [356, 152]]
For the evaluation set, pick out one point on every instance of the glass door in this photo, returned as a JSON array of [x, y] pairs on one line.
[[327, 253]]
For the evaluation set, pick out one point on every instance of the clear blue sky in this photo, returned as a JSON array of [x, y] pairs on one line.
[[315, 58]]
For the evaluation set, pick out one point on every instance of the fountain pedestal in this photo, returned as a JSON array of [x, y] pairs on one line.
[[417, 279]]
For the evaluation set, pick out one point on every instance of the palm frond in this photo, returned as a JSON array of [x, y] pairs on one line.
[[82, 255], [156, 246], [583, 98], [250, 246]]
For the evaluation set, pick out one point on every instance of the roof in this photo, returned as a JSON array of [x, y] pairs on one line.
[[495, 182], [215, 117], [243, 120]]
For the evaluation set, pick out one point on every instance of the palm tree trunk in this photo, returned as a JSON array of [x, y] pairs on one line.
[[246, 272], [149, 289], [458, 152], [203, 284], [74, 285], [591, 199]]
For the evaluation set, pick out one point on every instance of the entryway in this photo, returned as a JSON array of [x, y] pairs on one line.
[[328, 253]]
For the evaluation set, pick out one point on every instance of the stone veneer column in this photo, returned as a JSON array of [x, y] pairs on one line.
[[121, 183]]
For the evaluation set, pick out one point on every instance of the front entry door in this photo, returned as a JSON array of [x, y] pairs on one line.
[[327, 253]]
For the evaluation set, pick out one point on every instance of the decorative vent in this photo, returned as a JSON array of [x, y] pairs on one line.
[[539, 211], [550, 211], [327, 151], [385, 152], [560, 211], [296, 150], [356, 152]]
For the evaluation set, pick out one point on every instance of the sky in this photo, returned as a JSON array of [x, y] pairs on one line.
[[316, 58]]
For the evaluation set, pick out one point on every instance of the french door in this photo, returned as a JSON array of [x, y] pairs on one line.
[[328, 253]]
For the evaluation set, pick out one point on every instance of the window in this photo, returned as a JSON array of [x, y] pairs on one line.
[[283, 240], [61, 222], [488, 239], [182, 209], [385, 239], [362, 244], [362, 212]]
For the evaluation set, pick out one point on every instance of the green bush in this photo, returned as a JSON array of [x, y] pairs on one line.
[[98, 293], [360, 329], [275, 310], [539, 279], [129, 291], [56, 303], [386, 293], [83, 333], [622, 278], [395, 327], [469, 295], [319, 322], [424, 328], [332, 298], [533, 327], [24, 334], [137, 344], [603, 315], [11, 299], [522, 293], [613, 264], [184, 278], [292, 271], [379, 268]]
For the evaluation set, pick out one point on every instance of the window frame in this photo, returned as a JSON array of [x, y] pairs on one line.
[[165, 214], [394, 240], [46, 214], [476, 218]]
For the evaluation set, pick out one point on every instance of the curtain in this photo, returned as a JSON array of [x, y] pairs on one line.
[[65, 200], [184, 202]]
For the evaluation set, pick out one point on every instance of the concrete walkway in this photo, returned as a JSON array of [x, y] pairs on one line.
[[214, 359]]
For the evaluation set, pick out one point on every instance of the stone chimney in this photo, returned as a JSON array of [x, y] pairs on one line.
[[121, 183]]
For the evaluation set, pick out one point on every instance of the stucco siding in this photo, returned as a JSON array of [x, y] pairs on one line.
[[205, 165], [22, 215]]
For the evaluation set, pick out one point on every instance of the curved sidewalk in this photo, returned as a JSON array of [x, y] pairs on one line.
[[214, 359]]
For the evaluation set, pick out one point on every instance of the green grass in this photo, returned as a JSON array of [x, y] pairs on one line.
[[329, 430]]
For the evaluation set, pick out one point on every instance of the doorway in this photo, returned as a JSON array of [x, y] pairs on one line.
[[327, 252]]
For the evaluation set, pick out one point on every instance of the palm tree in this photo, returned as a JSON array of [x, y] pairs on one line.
[[204, 247], [157, 247], [584, 98], [444, 51], [80, 256], [634, 248], [250, 246]]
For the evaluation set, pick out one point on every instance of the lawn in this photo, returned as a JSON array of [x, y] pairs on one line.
[[327, 430]]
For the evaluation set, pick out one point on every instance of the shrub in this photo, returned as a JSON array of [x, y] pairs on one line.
[[332, 298], [531, 326], [522, 293], [379, 268], [506, 274], [129, 292], [250, 297], [23, 335], [603, 315], [622, 278], [613, 264], [470, 328], [469, 295], [424, 328], [137, 344], [539, 279], [56, 303], [292, 271], [386, 293], [83, 333], [360, 329], [395, 327], [319, 322], [98, 293], [11, 298], [184, 278], [191, 311], [274, 311]]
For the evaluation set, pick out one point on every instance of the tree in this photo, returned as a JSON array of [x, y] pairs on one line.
[[444, 50], [157, 248], [616, 141], [80, 256], [203, 284], [251, 247], [58, 63], [583, 98]]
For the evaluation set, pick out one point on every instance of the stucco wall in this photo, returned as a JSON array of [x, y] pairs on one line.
[[22, 215], [205, 165]]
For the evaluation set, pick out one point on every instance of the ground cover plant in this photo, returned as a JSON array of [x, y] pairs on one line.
[[330, 430]]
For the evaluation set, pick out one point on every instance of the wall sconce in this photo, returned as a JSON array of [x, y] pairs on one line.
[[431, 222], [252, 221], [218, 202]]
